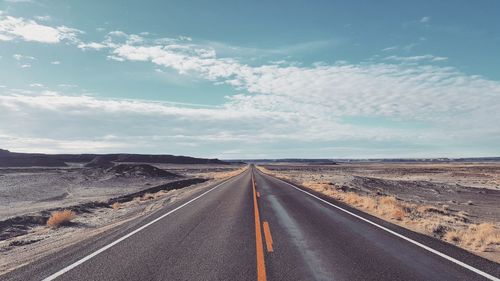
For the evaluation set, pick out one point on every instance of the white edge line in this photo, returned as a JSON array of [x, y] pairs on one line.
[[86, 258], [471, 268]]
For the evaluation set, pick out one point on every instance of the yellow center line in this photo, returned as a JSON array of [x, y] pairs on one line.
[[261, 267], [269, 238]]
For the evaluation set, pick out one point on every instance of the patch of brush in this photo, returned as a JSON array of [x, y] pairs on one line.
[[20, 225]]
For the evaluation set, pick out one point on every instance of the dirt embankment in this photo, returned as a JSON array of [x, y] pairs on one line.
[[454, 203]]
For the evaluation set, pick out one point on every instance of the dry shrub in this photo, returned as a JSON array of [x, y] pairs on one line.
[[362, 201], [479, 236], [159, 194], [352, 198], [147, 196], [388, 201], [462, 214], [389, 206], [422, 209], [116, 206], [433, 226], [368, 202], [60, 218], [453, 236], [318, 186], [429, 226], [398, 214]]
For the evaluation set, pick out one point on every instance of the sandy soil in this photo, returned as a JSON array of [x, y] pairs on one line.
[[456, 202], [29, 191]]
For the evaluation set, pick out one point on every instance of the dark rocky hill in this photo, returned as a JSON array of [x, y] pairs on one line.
[[14, 159], [145, 170]]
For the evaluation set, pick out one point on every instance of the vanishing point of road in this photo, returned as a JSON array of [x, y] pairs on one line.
[[257, 227]]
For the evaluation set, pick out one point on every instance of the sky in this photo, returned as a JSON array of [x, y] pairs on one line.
[[251, 79]]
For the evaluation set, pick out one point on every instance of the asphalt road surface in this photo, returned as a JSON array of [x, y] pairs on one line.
[[256, 227]]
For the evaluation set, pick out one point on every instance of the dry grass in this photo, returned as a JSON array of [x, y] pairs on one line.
[[389, 206], [116, 206], [227, 174], [60, 218], [477, 236], [264, 170], [439, 222], [151, 196], [147, 196]]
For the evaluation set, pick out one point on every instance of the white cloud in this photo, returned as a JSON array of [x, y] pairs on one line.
[[288, 104], [410, 47], [20, 57], [56, 62], [117, 33], [345, 82], [48, 145], [67, 86], [43, 18], [26, 65], [391, 48], [12, 28], [425, 19], [417, 58], [152, 124], [185, 38], [91, 46], [134, 39], [412, 91]]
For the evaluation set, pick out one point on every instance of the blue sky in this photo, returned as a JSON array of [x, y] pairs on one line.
[[251, 79]]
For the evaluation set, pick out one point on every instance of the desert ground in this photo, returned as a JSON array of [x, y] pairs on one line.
[[27, 190], [95, 197], [456, 202]]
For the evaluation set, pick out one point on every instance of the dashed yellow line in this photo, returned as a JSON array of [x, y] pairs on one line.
[[261, 267], [269, 238]]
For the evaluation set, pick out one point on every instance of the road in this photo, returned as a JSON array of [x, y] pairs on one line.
[[257, 227]]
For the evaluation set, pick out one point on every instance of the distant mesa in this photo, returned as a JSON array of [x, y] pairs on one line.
[[164, 159], [101, 161], [104, 161], [12, 159], [292, 161]]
